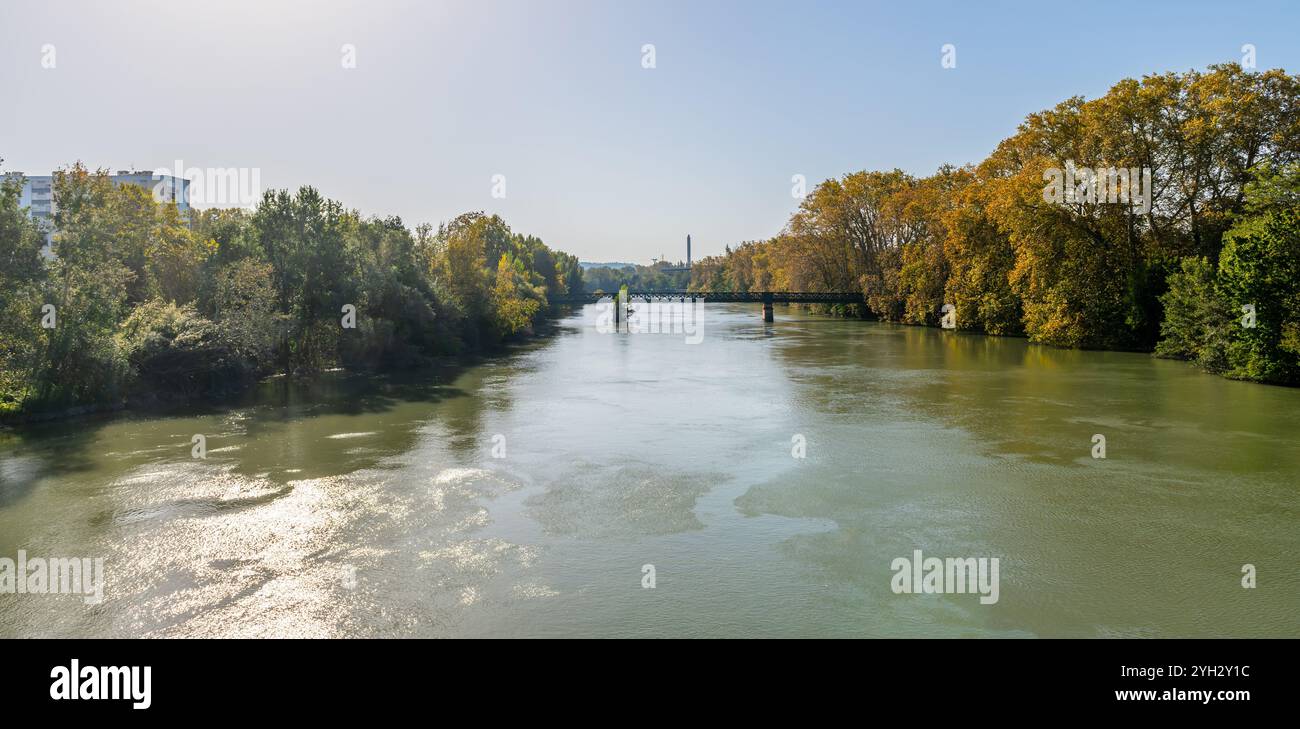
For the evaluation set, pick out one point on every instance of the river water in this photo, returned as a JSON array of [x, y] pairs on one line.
[[529, 494]]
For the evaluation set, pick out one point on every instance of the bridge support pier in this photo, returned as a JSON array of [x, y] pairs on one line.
[[767, 309]]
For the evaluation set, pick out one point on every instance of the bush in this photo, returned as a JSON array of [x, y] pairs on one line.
[[242, 302], [1260, 266], [77, 361], [1198, 322], [1204, 316], [173, 350]]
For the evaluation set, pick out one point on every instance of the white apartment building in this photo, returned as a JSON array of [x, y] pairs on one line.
[[38, 195]]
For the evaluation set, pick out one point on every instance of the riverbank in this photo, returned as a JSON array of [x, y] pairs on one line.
[[1172, 352], [499, 501], [161, 403], [1038, 240], [299, 284]]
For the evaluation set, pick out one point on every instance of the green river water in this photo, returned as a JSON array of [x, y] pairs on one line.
[[353, 506]]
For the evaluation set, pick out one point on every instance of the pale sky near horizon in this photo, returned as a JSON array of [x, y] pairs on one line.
[[601, 157]]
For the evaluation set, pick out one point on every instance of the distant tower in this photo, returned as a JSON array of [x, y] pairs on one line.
[[688, 250]]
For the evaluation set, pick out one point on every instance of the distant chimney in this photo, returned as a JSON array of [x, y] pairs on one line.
[[688, 250]]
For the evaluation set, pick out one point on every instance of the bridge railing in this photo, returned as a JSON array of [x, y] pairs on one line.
[[792, 297]]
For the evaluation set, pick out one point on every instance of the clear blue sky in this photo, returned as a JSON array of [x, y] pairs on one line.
[[602, 157]]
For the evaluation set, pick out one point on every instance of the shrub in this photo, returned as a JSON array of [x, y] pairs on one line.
[[1260, 266], [1198, 322], [173, 350]]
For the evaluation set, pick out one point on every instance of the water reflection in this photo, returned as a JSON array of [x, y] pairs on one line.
[[354, 506], [981, 446]]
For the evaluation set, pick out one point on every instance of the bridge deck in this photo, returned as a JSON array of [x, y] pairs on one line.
[[777, 297]]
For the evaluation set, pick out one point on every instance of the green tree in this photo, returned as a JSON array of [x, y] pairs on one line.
[[515, 303], [1260, 267], [22, 281], [1198, 322]]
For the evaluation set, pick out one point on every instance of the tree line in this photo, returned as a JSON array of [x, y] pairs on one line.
[[1203, 264], [141, 299], [605, 279]]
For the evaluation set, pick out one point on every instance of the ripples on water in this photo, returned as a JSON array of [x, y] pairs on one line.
[[363, 507]]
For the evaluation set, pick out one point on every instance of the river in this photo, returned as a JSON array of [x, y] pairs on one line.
[[541, 492]]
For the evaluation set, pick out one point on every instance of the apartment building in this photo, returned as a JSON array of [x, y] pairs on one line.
[[38, 195]]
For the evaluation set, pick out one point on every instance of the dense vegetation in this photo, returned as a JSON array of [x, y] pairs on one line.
[[148, 302], [605, 279], [142, 300], [1220, 232]]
